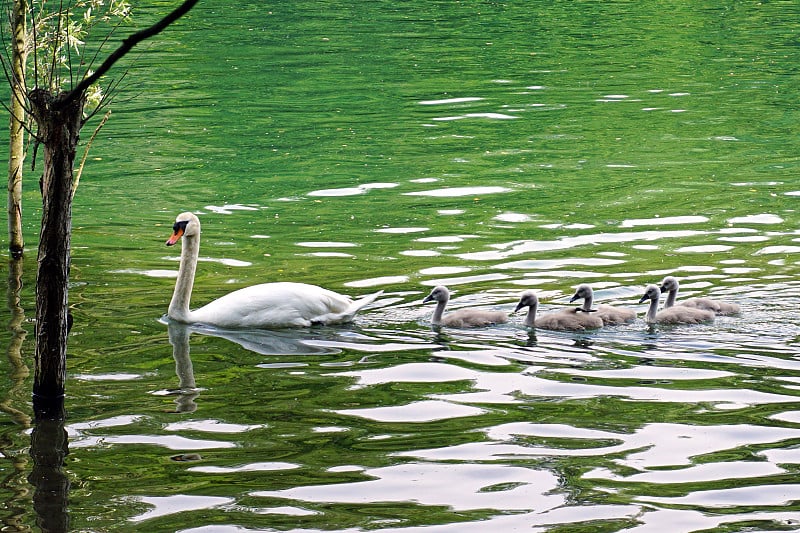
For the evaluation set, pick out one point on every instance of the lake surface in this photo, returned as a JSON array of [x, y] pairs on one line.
[[493, 148]]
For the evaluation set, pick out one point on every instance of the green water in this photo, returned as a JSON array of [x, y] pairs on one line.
[[492, 147]]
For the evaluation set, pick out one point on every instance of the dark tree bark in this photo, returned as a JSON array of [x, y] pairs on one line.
[[58, 131], [59, 118]]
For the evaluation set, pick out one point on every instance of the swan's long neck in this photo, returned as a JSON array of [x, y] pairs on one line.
[[179, 306], [530, 319], [671, 296], [650, 317], [438, 312]]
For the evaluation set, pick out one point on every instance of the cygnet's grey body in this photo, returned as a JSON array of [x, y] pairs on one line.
[[678, 314], [564, 320], [462, 318], [669, 285], [610, 315]]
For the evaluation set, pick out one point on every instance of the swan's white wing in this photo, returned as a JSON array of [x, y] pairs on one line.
[[273, 305]]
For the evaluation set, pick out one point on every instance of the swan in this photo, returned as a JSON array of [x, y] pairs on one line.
[[565, 320], [462, 318], [678, 314], [670, 286], [610, 315], [269, 305]]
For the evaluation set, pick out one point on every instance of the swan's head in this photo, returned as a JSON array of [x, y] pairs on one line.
[[186, 225], [527, 299], [438, 294], [581, 293], [652, 293], [669, 284]]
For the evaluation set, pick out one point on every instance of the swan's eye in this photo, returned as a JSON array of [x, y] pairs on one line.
[[180, 226]]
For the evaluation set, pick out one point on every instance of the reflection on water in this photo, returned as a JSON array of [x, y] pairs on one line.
[[482, 428], [187, 391], [516, 146]]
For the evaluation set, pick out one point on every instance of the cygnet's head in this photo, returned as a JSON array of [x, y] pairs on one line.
[[669, 284], [438, 294], [527, 299], [582, 292], [186, 224], [652, 293]]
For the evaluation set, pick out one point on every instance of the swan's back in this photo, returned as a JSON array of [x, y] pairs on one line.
[[613, 316], [473, 318], [281, 304], [569, 320], [682, 314], [716, 306]]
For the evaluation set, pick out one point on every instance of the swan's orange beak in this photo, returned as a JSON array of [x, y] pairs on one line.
[[177, 233]]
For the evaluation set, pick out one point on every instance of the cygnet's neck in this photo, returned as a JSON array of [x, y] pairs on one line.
[[530, 320], [650, 317], [671, 296], [438, 312], [179, 305], [587, 302]]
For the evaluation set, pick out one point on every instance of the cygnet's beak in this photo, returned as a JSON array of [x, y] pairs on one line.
[[643, 298]]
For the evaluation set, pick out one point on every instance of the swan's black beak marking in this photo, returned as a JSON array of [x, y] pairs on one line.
[[177, 232]]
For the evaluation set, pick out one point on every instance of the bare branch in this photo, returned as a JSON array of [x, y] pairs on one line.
[[106, 39], [124, 48], [86, 153]]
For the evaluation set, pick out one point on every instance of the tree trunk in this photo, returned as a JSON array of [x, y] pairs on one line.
[[58, 130], [59, 121], [17, 133]]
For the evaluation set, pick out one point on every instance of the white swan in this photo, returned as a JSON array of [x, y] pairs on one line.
[[670, 286], [565, 320], [610, 315], [462, 318], [672, 315], [269, 305]]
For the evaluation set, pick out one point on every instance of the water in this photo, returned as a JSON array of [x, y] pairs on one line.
[[393, 147]]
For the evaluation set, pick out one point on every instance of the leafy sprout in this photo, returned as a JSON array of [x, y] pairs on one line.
[[58, 39]]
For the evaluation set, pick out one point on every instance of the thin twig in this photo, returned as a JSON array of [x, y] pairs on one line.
[[86, 153]]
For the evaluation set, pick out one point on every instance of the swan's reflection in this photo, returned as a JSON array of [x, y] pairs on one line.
[[271, 342], [293, 341], [187, 390], [265, 342]]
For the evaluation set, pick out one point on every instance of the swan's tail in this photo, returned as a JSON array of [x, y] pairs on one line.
[[359, 304], [348, 314]]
